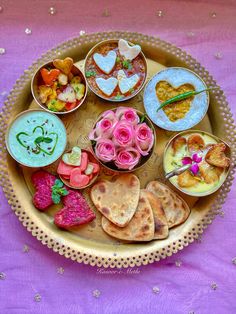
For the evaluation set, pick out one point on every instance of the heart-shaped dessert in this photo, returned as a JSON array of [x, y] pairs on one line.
[[74, 157], [107, 86], [38, 142], [140, 227], [68, 95], [44, 92], [64, 65], [178, 109], [49, 76], [216, 156], [129, 52], [43, 182], [127, 83], [117, 200], [75, 212], [105, 63]]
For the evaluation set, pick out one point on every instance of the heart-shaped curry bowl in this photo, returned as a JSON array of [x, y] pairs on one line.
[[113, 165], [36, 138], [208, 159], [103, 64], [59, 98], [180, 115]]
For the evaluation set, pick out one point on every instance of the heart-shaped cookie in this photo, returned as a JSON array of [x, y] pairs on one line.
[[64, 65], [74, 157], [76, 211], [117, 200], [176, 110], [105, 63], [68, 95], [107, 86], [127, 83], [49, 76], [129, 52], [140, 227], [216, 156]]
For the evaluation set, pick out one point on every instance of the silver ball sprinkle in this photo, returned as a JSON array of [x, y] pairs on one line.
[[234, 260], [159, 13], [213, 15], [52, 11], [214, 286], [37, 297], [2, 276], [82, 33], [155, 289], [218, 55], [96, 293], [2, 51], [28, 31], [190, 34]]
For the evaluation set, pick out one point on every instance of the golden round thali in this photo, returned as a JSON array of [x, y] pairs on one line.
[[89, 244]]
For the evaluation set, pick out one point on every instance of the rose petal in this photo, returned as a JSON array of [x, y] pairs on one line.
[[187, 160], [194, 169]]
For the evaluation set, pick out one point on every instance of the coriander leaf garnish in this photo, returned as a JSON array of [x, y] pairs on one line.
[[58, 191], [90, 73], [118, 96], [127, 64], [143, 118]]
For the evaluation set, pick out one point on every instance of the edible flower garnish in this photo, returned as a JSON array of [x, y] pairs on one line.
[[194, 160]]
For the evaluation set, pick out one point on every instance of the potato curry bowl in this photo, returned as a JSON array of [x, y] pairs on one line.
[[179, 115], [115, 70]]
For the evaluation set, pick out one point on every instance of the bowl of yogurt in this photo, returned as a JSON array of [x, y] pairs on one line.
[[36, 138]]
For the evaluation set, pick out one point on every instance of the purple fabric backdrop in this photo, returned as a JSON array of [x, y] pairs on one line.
[[210, 38]]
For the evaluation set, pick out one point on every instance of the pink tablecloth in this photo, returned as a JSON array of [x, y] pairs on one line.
[[205, 279]]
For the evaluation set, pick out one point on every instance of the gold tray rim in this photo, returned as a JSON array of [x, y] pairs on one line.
[[134, 258]]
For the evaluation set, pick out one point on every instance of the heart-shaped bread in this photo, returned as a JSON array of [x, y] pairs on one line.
[[160, 221], [107, 86], [68, 95], [178, 109], [129, 52], [126, 83], [216, 156], [175, 208], [49, 76], [105, 63], [64, 65], [195, 143], [117, 200], [140, 227], [75, 212]]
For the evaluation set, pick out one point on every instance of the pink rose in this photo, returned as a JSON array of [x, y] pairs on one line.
[[144, 138], [105, 150], [128, 114], [123, 134], [104, 127], [127, 158]]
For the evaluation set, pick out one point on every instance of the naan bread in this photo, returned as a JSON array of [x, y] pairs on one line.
[[117, 200], [160, 221], [175, 208], [141, 226]]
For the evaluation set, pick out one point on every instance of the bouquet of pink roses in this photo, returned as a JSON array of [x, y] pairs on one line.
[[121, 137]]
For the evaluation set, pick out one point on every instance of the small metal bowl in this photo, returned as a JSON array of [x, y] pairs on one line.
[[93, 50], [93, 159], [144, 159], [17, 153], [224, 174], [176, 76], [37, 81]]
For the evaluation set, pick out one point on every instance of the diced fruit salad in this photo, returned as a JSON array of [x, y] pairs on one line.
[[59, 89], [78, 168]]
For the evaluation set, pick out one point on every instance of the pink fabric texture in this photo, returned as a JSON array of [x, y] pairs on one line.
[[191, 26]]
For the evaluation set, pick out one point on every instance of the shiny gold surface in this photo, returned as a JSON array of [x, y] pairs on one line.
[[89, 244]]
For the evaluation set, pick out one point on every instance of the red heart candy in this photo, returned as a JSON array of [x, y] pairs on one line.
[[49, 76]]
